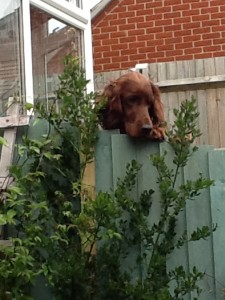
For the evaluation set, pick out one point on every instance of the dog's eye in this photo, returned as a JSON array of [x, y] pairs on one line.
[[131, 99]]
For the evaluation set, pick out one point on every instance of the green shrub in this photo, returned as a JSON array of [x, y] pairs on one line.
[[76, 245]]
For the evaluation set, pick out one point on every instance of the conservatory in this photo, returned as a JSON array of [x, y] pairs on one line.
[[35, 36]]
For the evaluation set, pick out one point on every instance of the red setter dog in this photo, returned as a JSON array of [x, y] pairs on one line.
[[133, 105]]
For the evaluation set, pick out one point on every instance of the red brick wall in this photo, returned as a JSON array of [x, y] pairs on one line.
[[137, 31]]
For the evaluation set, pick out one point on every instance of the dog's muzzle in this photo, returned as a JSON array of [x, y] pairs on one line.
[[146, 129]]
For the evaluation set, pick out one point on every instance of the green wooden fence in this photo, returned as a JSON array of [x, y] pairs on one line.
[[114, 151]]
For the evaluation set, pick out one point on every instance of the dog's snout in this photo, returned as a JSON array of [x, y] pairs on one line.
[[146, 129]]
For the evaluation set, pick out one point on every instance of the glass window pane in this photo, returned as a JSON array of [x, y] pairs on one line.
[[10, 53], [52, 39]]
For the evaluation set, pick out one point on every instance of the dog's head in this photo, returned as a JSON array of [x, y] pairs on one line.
[[133, 105]]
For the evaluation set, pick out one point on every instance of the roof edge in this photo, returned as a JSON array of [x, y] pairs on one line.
[[98, 8]]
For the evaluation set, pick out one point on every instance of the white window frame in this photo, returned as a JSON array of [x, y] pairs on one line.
[[72, 15]]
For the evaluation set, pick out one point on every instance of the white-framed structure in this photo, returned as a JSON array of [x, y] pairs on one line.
[[35, 35]]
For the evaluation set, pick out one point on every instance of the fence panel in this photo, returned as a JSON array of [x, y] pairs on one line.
[[207, 209]]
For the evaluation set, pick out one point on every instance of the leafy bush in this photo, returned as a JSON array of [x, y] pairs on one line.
[[78, 246]]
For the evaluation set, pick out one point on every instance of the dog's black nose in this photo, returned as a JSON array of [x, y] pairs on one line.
[[146, 129]]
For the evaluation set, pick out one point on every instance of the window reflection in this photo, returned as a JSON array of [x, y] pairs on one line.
[[51, 41], [10, 53]]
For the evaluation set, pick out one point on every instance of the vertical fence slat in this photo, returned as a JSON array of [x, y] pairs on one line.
[[103, 154], [217, 192], [198, 213]]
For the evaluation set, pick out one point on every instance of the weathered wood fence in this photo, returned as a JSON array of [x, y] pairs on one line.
[[203, 79], [114, 151]]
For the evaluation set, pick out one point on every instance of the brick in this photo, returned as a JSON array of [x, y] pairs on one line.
[[165, 59], [173, 27], [110, 42], [164, 35], [181, 7], [159, 54], [102, 36], [129, 51], [219, 15], [118, 22], [172, 15], [120, 9], [127, 65], [220, 28], [182, 20], [163, 22], [162, 10], [192, 25], [173, 40], [136, 7], [184, 45], [146, 49], [200, 18], [109, 29], [118, 34], [172, 2], [154, 30], [202, 55], [111, 54], [145, 37], [165, 47], [102, 49], [103, 60], [191, 38], [155, 42], [120, 58], [120, 46], [98, 55], [137, 57], [188, 1], [111, 66], [127, 27], [126, 15], [209, 10], [97, 43], [193, 50], [219, 41], [212, 48], [137, 44], [128, 39], [210, 23], [191, 12], [201, 30], [137, 19], [222, 7], [182, 32], [153, 17], [203, 43], [215, 2], [98, 68], [208, 36], [155, 4], [199, 4], [185, 57], [220, 53], [174, 52], [137, 32], [145, 12], [145, 24]]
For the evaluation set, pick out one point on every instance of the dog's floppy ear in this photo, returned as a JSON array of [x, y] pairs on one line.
[[111, 111], [158, 110]]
